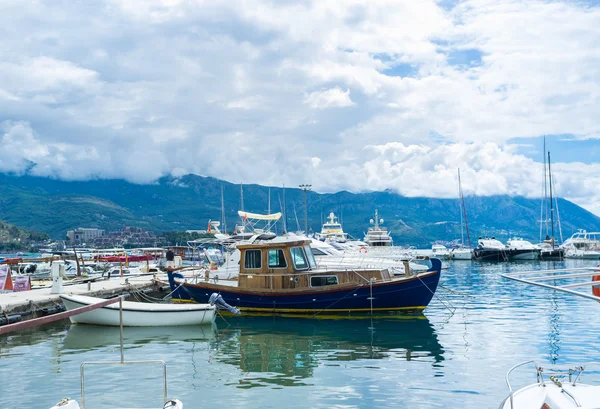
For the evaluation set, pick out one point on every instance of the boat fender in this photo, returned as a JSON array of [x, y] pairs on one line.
[[217, 299], [596, 287]]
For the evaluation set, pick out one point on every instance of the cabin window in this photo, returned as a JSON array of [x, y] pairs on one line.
[[277, 259], [320, 281], [310, 256], [252, 259], [317, 252], [299, 258]]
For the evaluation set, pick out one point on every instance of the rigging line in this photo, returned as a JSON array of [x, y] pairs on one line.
[[452, 308]]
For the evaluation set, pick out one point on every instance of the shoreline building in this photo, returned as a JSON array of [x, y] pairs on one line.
[[84, 235]]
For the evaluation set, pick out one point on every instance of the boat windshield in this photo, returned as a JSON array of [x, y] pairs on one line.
[[310, 256], [299, 258]]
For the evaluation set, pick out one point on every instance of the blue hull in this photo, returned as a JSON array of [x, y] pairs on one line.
[[410, 294]]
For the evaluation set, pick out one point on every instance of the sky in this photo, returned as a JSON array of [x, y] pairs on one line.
[[344, 95]]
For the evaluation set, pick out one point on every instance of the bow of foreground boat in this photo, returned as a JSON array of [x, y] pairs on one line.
[[554, 389]]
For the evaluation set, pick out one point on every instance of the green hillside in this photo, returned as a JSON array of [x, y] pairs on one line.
[[176, 204]]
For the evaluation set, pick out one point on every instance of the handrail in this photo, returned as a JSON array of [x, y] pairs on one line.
[[55, 317]]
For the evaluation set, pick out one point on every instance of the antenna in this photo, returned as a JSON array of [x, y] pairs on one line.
[[284, 212]]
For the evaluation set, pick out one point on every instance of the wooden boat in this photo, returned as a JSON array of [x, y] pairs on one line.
[[554, 389], [281, 276], [138, 314]]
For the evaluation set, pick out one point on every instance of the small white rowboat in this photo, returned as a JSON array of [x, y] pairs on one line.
[[554, 390], [139, 314]]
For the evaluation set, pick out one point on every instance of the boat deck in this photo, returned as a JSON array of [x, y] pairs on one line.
[[39, 302]]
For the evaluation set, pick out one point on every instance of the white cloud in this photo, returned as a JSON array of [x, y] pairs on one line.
[[424, 90], [331, 98]]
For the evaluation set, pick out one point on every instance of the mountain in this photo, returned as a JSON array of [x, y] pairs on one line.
[[14, 238], [188, 202]]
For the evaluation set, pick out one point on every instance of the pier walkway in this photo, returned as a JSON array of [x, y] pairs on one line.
[[40, 302]]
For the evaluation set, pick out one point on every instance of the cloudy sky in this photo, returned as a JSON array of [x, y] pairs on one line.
[[356, 95]]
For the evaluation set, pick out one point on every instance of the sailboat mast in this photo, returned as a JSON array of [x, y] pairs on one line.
[[462, 233], [464, 211], [223, 221], [242, 197], [551, 204], [284, 212], [269, 202], [544, 202]]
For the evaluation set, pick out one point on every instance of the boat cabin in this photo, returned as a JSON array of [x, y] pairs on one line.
[[284, 263]]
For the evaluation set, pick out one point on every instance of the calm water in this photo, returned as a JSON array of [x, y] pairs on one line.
[[433, 360]]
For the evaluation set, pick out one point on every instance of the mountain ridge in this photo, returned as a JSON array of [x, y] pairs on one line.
[[188, 202]]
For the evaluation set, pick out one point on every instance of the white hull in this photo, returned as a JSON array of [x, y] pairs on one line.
[[136, 314], [461, 255], [583, 254], [532, 255], [550, 395]]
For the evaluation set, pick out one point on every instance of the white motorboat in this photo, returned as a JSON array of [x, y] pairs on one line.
[[440, 251], [138, 314], [378, 236], [490, 250], [583, 244], [519, 249], [554, 389], [332, 230]]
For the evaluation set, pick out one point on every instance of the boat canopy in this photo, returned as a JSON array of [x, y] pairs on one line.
[[256, 216]]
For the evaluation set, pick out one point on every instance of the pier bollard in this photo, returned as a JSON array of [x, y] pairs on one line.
[[58, 270]]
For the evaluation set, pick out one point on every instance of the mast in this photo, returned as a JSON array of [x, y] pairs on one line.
[[464, 210], [544, 203], [242, 197], [462, 233], [296, 215], [269, 201], [551, 204], [284, 212], [376, 220], [223, 221]]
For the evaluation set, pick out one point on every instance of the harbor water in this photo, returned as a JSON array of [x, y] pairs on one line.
[[431, 360]]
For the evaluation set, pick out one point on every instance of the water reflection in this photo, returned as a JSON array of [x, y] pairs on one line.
[[87, 337], [286, 351]]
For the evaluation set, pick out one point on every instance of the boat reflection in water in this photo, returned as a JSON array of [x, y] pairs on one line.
[[285, 351], [85, 337]]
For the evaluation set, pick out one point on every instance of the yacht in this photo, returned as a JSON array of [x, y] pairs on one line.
[[519, 249], [462, 252], [440, 251], [583, 244], [377, 235], [490, 250], [332, 230]]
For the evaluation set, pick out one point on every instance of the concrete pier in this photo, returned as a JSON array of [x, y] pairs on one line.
[[20, 306]]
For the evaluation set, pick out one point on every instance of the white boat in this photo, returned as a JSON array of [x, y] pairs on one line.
[[377, 236], [461, 253], [332, 230], [138, 314], [554, 389], [583, 244], [440, 251], [519, 249]]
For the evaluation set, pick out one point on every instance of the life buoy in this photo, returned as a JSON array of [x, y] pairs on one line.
[[363, 249], [596, 287]]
